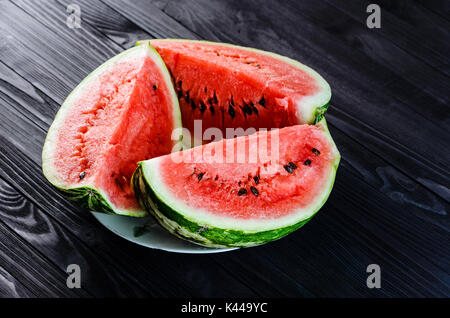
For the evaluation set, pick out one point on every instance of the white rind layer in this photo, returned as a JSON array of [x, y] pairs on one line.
[[151, 171]]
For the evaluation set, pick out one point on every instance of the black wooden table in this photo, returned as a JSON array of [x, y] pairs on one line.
[[389, 116]]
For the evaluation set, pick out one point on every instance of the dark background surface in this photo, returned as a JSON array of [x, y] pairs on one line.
[[389, 116]]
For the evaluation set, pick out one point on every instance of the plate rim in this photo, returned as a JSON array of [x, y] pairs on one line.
[[201, 249]]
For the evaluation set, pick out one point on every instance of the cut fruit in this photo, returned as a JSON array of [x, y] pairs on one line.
[[123, 112], [229, 86], [244, 191]]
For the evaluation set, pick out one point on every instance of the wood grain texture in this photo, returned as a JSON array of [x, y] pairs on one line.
[[406, 25], [107, 20], [389, 118], [129, 267], [157, 23], [440, 7], [358, 80]]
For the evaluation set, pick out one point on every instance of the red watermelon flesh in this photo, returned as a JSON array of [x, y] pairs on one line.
[[123, 113], [243, 191], [228, 86], [269, 188]]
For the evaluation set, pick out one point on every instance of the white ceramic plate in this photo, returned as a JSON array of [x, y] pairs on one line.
[[146, 232]]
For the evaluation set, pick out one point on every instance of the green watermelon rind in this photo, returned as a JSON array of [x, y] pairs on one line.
[[318, 104], [319, 113], [206, 235], [88, 196]]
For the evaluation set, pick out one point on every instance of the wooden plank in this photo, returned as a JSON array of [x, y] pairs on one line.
[[115, 16], [360, 226], [363, 164], [10, 287], [43, 10], [395, 154], [344, 238], [132, 270], [60, 247], [330, 24], [327, 257], [85, 223], [419, 32], [61, 54], [36, 187], [23, 262], [439, 7], [115, 26], [412, 252], [188, 17], [363, 224], [366, 168], [397, 54], [151, 19], [358, 81], [110, 252], [418, 97]]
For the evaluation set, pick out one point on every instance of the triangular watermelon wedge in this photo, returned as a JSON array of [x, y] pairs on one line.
[[227, 85], [123, 112], [241, 192]]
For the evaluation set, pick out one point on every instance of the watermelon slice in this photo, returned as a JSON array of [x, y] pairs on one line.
[[123, 112], [231, 86], [244, 191]]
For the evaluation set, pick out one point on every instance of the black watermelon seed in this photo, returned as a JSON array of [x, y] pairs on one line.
[[255, 110], [155, 87], [179, 85], [232, 101], [215, 98], [247, 109], [216, 178], [202, 107], [180, 94], [262, 102], [242, 192], [254, 191], [82, 174], [231, 111], [211, 109], [206, 90], [307, 162], [292, 165], [193, 104], [200, 176], [186, 98], [315, 151], [288, 168], [210, 101], [256, 179]]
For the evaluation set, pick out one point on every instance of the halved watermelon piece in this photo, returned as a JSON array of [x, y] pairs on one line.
[[123, 112], [227, 85], [244, 191]]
